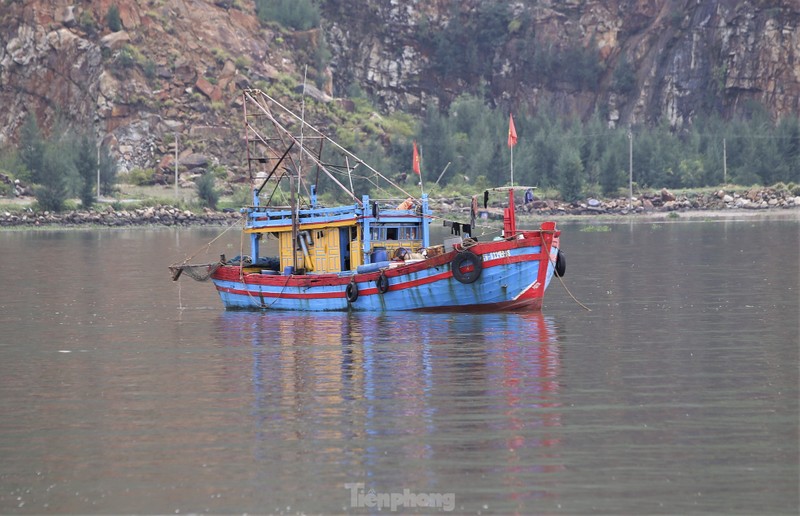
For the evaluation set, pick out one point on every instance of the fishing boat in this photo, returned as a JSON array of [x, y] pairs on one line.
[[367, 254]]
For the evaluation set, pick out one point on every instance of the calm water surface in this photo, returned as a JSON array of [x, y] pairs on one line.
[[122, 392]]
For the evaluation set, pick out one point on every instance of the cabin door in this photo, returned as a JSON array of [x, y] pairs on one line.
[[344, 246], [326, 250]]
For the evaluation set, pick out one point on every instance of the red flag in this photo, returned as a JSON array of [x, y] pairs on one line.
[[416, 161], [512, 132]]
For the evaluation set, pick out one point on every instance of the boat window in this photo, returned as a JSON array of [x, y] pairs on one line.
[[408, 233], [381, 233]]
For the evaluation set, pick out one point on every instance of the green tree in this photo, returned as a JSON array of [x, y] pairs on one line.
[[613, 162], [31, 149], [691, 173], [206, 191], [477, 139], [547, 144], [11, 164], [51, 193], [624, 77], [113, 20], [108, 171], [569, 170], [86, 163], [439, 148], [766, 160], [787, 135]]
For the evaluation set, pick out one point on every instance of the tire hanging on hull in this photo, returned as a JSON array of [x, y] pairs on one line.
[[382, 283], [467, 258], [351, 292], [561, 264]]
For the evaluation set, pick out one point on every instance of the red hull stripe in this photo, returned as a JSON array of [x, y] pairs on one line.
[[433, 278]]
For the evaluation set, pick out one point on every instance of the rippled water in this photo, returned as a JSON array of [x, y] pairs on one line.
[[121, 392]]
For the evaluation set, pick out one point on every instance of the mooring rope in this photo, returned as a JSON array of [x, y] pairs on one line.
[[560, 279]]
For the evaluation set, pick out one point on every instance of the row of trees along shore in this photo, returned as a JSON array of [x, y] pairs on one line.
[[576, 159], [583, 159], [590, 159], [62, 166]]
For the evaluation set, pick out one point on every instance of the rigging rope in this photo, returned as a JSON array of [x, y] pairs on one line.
[[201, 272]]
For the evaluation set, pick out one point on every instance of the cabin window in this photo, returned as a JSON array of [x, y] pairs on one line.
[[408, 233], [382, 233]]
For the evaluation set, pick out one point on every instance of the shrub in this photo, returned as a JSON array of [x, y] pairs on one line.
[[5, 188], [242, 63], [206, 191], [624, 77], [140, 177], [86, 21], [125, 58], [113, 20], [295, 14]]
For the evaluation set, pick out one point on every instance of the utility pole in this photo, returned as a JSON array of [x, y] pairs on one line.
[[724, 161], [98, 173], [630, 170], [176, 166]]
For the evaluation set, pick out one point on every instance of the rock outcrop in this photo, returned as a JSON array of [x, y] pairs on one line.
[[173, 68], [643, 61]]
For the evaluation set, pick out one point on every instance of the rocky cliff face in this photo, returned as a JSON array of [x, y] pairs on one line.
[[642, 61], [176, 66], [171, 70]]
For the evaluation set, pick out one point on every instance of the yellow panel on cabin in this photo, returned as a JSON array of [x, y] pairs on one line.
[[355, 255]]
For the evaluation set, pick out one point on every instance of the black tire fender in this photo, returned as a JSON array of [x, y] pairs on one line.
[[466, 258], [561, 264], [382, 283], [351, 292]]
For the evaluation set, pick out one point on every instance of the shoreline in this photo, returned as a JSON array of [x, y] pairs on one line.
[[172, 217], [663, 206]]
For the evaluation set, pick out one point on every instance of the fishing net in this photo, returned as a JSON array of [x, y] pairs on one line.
[[196, 272]]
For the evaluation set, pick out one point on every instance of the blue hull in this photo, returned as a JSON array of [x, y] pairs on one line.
[[513, 276]]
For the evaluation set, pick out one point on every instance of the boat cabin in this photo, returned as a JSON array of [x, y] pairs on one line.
[[337, 240]]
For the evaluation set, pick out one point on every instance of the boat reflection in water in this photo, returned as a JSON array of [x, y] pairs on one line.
[[425, 401]]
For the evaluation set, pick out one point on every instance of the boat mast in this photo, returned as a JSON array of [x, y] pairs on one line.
[[294, 194], [287, 113]]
